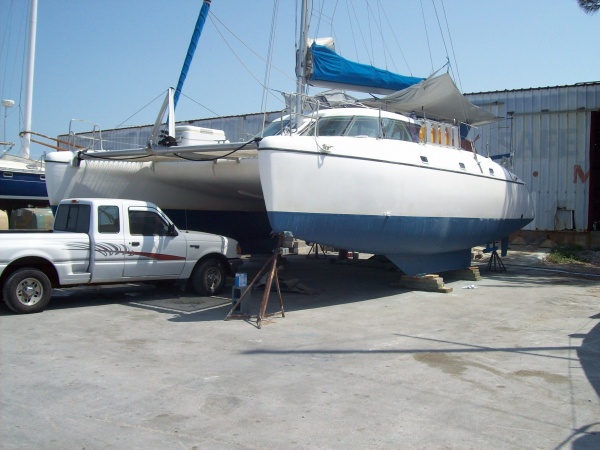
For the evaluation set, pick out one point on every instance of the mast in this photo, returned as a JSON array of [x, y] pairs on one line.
[[192, 48], [29, 79], [301, 55]]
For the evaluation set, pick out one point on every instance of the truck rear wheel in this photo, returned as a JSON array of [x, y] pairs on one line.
[[208, 278], [27, 291]]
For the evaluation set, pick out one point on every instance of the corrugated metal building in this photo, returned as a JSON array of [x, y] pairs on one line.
[[551, 136]]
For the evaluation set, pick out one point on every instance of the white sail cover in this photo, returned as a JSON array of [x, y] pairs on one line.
[[436, 98]]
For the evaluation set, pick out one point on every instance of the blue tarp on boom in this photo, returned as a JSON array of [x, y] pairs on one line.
[[331, 70]]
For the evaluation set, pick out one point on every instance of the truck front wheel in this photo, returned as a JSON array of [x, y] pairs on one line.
[[27, 291], [208, 278]]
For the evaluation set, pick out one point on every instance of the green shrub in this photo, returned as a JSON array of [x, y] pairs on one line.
[[568, 254]]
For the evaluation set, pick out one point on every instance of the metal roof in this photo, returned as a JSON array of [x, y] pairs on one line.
[[585, 83]]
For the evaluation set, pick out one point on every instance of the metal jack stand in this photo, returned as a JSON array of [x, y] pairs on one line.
[[315, 248], [270, 265], [495, 261]]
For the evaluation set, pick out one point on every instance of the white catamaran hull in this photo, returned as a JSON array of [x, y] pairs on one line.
[[176, 184], [222, 196], [412, 202]]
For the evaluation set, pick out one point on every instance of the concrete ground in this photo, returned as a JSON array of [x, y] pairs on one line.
[[511, 361]]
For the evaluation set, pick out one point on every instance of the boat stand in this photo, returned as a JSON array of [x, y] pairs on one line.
[[271, 266], [315, 248], [495, 263]]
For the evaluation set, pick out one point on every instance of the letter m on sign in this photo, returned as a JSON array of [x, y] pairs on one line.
[[578, 172]]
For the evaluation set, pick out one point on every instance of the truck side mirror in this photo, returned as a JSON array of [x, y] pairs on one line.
[[171, 231]]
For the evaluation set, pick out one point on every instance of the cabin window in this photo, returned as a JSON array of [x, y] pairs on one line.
[[396, 129], [7, 175], [364, 126], [424, 160], [462, 166], [491, 172], [329, 126], [275, 128], [108, 219]]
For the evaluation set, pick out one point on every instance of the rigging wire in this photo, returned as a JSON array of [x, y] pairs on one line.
[[397, 43], [352, 30], [213, 16], [316, 34], [296, 27], [452, 46], [142, 108], [444, 41], [240, 60], [12, 48], [201, 105], [364, 41], [441, 31], [383, 43], [323, 18], [332, 16], [162, 94], [427, 35], [379, 24], [263, 105], [369, 14]]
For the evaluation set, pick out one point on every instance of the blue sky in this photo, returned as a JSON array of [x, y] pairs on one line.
[[106, 61]]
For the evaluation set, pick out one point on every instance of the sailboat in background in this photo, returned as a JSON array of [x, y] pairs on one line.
[[22, 179]]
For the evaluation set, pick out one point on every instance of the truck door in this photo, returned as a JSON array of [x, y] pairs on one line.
[[108, 242], [153, 253]]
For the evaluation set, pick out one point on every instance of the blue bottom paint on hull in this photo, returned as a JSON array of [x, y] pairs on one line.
[[439, 262], [251, 229], [414, 244]]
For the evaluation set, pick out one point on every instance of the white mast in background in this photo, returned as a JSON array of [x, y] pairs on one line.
[[29, 79]]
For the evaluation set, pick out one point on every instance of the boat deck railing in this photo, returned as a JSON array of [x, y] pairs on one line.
[[90, 140]]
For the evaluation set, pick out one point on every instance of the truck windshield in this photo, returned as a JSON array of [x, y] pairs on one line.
[[74, 218]]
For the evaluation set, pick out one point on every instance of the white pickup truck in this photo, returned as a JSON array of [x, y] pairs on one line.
[[102, 241]]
